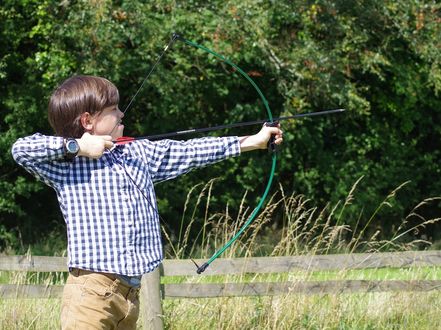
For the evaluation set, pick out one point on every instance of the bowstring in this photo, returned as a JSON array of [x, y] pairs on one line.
[[172, 40]]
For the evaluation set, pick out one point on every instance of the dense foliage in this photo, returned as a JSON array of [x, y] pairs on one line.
[[378, 59]]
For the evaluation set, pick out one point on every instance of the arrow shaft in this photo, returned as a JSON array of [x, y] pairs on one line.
[[220, 127]]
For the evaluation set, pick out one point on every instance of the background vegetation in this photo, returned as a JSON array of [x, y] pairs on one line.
[[378, 59]]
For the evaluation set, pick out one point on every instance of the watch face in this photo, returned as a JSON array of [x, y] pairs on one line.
[[72, 146]]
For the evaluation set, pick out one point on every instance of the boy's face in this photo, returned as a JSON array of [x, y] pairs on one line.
[[108, 122]]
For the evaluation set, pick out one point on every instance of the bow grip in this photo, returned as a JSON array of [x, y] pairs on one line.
[[272, 147]]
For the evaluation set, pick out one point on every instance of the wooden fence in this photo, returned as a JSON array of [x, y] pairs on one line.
[[153, 291]]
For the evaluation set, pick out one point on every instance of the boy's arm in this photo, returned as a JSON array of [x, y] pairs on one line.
[[168, 159], [42, 156], [45, 156]]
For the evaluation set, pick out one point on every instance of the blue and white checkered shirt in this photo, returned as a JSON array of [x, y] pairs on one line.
[[111, 227]]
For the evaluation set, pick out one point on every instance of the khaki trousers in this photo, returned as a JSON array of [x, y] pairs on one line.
[[98, 301]]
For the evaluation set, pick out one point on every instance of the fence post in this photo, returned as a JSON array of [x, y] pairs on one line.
[[151, 303]]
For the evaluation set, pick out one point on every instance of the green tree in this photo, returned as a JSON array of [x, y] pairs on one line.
[[378, 59]]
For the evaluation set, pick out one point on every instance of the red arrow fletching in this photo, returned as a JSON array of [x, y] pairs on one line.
[[124, 140]]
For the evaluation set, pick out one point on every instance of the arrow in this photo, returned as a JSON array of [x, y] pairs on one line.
[[127, 139]]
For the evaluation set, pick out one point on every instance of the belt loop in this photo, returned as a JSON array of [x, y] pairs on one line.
[[75, 272], [133, 293], [114, 285]]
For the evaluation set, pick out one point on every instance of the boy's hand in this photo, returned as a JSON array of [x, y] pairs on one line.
[[260, 140], [93, 146]]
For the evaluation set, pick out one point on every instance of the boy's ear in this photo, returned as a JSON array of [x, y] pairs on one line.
[[86, 121]]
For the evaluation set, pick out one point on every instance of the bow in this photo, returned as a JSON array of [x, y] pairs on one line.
[[269, 122]]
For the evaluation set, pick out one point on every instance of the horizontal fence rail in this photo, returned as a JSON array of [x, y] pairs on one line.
[[214, 290], [30, 291], [184, 267], [307, 263]]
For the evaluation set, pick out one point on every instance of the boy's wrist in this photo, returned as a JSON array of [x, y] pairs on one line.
[[82, 150], [248, 143]]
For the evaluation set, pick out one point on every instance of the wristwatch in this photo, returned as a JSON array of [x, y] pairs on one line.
[[71, 148]]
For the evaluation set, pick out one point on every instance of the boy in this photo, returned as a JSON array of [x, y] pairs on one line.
[[107, 197]]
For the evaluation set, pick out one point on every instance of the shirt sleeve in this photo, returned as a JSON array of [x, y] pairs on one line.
[[43, 157], [168, 159]]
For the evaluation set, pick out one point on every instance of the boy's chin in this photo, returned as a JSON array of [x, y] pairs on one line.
[[119, 131], [116, 136]]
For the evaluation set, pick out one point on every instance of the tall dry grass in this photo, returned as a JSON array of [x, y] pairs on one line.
[[355, 311], [305, 229]]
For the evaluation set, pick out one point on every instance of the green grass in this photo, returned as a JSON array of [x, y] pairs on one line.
[[30, 314], [343, 311]]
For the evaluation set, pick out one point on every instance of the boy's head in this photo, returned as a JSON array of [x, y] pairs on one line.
[[76, 105]]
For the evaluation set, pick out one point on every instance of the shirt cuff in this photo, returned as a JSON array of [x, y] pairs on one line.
[[233, 146]]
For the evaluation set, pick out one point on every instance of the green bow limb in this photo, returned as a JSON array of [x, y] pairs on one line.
[[262, 199]]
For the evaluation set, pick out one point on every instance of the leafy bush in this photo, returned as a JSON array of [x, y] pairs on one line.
[[378, 59]]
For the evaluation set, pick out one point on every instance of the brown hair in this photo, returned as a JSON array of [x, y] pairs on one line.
[[75, 96]]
